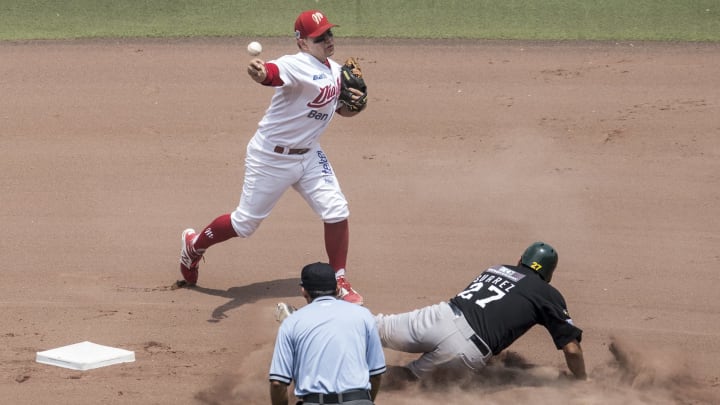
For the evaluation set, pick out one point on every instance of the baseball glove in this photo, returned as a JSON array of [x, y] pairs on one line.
[[352, 77]]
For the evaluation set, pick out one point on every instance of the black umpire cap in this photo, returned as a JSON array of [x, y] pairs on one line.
[[318, 277]]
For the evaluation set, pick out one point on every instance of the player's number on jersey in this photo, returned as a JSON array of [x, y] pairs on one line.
[[475, 287]]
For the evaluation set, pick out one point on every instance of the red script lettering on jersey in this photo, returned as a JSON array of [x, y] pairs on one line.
[[326, 96]]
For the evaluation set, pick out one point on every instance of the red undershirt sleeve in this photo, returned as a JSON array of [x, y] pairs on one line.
[[273, 75]]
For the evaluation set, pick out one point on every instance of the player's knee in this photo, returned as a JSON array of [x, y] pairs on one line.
[[335, 215], [243, 225]]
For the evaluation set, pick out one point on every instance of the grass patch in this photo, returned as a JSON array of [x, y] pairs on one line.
[[663, 20]]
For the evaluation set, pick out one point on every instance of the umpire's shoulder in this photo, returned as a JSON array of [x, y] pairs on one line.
[[348, 306], [356, 309]]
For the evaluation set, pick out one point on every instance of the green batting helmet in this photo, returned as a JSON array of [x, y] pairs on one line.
[[542, 258]]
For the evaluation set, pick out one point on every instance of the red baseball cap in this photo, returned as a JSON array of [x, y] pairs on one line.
[[312, 23]]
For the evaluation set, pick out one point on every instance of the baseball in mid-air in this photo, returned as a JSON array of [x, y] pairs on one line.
[[254, 48]]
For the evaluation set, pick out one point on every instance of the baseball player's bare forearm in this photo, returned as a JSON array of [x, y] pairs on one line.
[[575, 359], [278, 393], [375, 382]]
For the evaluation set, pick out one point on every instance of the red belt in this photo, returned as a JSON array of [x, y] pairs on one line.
[[287, 151]]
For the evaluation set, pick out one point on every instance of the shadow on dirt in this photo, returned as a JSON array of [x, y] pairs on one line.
[[250, 293]]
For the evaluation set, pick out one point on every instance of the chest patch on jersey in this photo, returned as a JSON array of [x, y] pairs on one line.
[[507, 273], [326, 96]]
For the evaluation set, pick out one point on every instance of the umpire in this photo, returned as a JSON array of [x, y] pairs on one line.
[[330, 348]]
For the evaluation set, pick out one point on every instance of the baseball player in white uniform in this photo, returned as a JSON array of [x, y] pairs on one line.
[[285, 152]]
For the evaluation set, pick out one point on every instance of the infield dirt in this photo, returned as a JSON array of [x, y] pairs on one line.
[[468, 152]]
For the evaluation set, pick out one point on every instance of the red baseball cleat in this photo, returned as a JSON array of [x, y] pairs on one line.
[[347, 293], [189, 258]]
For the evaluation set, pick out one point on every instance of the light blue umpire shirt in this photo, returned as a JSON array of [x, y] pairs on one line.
[[327, 346]]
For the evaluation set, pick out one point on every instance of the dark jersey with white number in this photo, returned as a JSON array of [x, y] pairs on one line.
[[504, 302]]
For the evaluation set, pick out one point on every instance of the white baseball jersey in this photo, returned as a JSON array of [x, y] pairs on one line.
[[299, 112], [304, 105]]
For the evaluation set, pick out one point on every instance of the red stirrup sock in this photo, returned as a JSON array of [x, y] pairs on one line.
[[219, 230], [337, 240]]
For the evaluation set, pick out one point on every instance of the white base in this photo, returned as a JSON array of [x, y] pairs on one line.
[[84, 356]]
